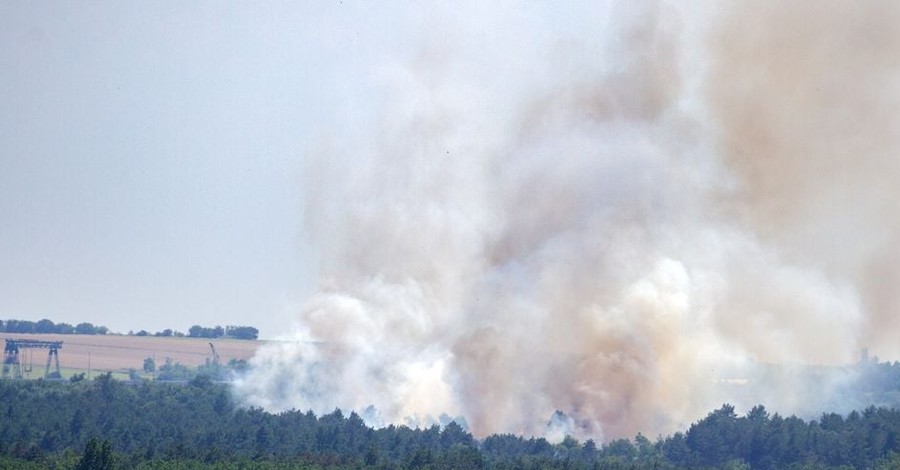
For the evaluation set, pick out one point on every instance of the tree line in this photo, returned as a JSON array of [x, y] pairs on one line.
[[237, 332], [47, 424], [197, 331], [46, 326]]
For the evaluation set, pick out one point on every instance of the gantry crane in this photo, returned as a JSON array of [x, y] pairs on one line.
[[11, 362]]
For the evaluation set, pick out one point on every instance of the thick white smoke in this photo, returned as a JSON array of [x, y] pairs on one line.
[[601, 220]]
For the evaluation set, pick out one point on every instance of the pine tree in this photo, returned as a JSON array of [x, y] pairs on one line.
[[97, 455]]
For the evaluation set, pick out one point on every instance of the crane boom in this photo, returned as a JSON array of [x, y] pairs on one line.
[[215, 355]]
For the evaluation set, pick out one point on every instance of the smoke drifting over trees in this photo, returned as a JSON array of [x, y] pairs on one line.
[[602, 218]]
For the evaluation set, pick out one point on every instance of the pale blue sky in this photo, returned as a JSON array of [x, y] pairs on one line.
[[151, 156], [152, 153]]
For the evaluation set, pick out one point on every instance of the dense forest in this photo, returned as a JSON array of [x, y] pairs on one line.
[[105, 423]]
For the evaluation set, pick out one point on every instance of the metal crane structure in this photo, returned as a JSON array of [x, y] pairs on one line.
[[215, 355], [12, 364]]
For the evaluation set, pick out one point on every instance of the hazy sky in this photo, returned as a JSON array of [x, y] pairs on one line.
[[151, 167], [151, 156]]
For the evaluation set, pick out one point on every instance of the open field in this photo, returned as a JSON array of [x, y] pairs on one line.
[[118, 353]]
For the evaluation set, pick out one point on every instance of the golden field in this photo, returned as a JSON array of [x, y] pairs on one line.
[[118, 353]]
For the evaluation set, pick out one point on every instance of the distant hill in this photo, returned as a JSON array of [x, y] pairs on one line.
[[118, 353]]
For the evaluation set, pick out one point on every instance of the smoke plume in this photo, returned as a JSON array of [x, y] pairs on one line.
[[607, 218]]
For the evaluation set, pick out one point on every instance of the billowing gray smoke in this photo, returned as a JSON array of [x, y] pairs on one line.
[[605, 218]]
